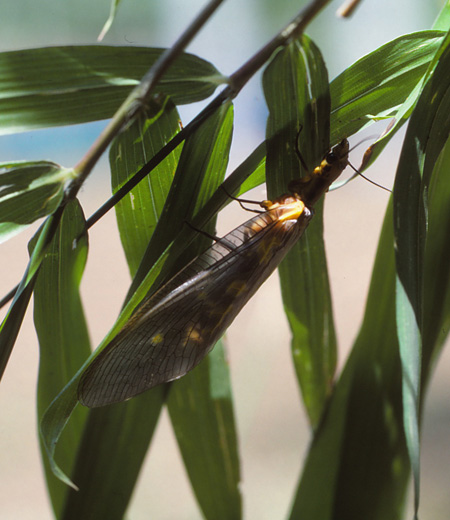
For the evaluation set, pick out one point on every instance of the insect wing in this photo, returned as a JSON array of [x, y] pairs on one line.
[[174, 329]]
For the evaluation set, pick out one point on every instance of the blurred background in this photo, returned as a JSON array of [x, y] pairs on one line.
[[273, 431]]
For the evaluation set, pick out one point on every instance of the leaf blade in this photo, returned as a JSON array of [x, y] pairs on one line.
[[303, 272], [57, 86]]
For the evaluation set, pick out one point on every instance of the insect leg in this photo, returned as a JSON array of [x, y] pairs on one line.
[[243, 201], [215, 238], [298, 152]]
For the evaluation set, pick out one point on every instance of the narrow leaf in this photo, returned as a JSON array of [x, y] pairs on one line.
[[68, 85], [379, 82], [201, 411], [427, 133], [28, 191], [13, 320], [119, 428], [357, 465], [60, 410], [126, 428], [65, 344], [138, 213], [296, 89]]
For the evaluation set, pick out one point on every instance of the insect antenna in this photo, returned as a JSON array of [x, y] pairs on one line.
[[367, 178]]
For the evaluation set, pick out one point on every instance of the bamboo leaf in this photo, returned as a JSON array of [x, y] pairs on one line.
[[58, 413], [28, 191], [65, 344], [56, 86], [126, 429], [375, 85], [118, 428], [427, 133], [201, 170], [138, 213], [201, 411], [357, 465], [287, 83], [13, 320]]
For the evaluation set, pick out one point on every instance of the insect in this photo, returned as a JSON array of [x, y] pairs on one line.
[[175, 328]]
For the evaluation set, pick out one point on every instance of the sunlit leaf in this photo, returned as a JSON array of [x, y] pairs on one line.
[[56, 86], [293, 106], [28, 191]]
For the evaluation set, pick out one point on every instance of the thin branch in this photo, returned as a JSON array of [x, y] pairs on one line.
[[347, 8]]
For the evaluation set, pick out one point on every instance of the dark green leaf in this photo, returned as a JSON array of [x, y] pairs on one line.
[[67, 85], [304, 278], [120, 428], [436, 292], [60, 410], [100, 497], [199, 172], [110, 456]]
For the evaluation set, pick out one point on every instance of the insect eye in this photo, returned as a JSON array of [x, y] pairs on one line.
[[330, 157]]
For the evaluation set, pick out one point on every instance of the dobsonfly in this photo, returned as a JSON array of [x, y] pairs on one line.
[[174, 329]]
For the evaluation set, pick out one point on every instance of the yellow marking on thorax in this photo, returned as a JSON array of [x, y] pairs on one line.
[[294, 213]]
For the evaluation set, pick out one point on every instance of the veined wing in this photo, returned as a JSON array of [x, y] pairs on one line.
[[175, 328]]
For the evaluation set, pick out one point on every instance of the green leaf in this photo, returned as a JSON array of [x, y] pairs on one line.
[[120, 428], [13, 320], [252, 172], [60, 410], [110, 456], [357, 465], [68, 85], [199, 172], [201, 410], [126, 429], [65, 344], [138, 212], [28, 191], [427, 134], [296, 90], [378, 83], [436, 292]]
